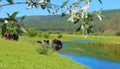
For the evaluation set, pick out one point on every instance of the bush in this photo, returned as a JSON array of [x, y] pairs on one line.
[[97, 34], [109, 33], [118, 33], [59, 35], [31, 32], [42, 49], [46, 35], [39, 34]]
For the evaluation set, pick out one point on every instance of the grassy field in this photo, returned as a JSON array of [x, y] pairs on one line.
[[23, 55]]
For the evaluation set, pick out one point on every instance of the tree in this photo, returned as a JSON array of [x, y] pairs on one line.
[[11, 25], [77, 14]]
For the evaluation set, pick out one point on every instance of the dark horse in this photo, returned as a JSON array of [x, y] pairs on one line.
[[57, 44], [9, 36]]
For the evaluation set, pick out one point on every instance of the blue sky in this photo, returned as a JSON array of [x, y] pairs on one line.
[[95, 6]]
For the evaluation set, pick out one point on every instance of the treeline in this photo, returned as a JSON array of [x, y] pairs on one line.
[[49, 23], [110, 25]]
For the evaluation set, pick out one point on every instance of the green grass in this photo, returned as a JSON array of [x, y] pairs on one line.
[[23, 55]]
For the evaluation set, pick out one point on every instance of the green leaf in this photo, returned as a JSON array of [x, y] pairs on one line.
[[13, 15], [8, 14], [76, 20], [1, 20], [10, 1], [9, 19], [89, 29], [64, 4], [81, 0], [78, 29], [100, 1], [49, 11], [43, 6], [90, 17], [48, 0], [76, 3], [63, 14], [4, 29], [22, 18]]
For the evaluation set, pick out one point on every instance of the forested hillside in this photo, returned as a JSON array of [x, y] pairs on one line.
[[110, 22], [49, 23]]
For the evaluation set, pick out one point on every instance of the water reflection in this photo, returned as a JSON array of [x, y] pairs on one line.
[[78, 40], [65, 44], [93, 63], [92, 47]]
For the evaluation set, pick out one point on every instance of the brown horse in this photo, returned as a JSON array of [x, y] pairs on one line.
[[57, 44], [9, 36]]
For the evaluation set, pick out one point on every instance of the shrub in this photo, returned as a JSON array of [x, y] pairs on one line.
[[46, 35], [31, 32], [118, 33], [39, 34], [59, 35], [42, 49]]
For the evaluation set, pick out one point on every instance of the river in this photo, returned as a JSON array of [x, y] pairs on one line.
[[92, 63]]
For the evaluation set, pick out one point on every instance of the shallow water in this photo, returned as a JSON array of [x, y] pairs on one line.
[[93, 63], [64, 44], [80, 40]]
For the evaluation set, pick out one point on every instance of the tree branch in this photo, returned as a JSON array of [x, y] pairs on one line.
[[13, 4]]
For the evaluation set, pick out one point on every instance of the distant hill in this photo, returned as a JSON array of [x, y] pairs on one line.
[[49, 23], [110, 23]]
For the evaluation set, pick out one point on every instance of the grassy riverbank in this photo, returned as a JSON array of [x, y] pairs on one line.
[[23, 55], [104, 47]]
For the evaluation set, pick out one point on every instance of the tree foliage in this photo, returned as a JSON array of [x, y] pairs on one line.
[[77, 14], [11, 24]]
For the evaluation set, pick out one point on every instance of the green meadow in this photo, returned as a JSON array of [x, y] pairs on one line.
[[23, 54]]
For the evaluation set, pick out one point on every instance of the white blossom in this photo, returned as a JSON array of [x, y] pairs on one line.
[[71, 19], [73, 11], [84, 9], [54, 12], [86, 15], [40, 1], [29, 7], [82, 27], [99, 15], [28, 1], [23, 29], [5, 21]]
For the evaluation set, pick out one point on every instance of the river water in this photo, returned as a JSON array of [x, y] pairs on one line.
[[92, 63]]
